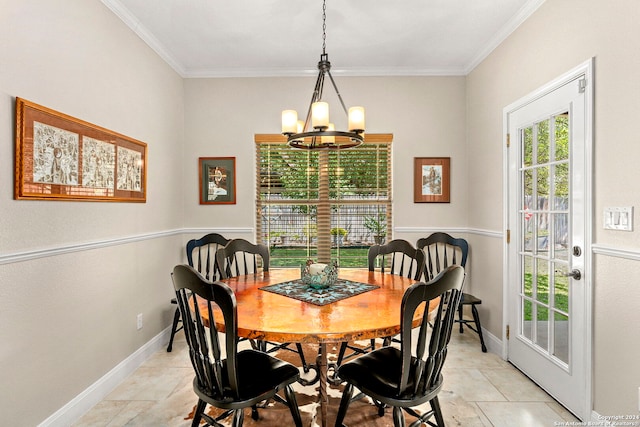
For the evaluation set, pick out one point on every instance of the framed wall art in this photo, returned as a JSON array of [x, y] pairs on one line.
[[59, 157], [217, 177], [431, 179]]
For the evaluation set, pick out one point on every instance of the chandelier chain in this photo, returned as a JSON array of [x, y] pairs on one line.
[[324, 26]]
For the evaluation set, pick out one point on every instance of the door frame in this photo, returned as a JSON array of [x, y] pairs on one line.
[[586, 69]]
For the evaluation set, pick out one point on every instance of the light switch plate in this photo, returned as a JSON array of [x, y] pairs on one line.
[[618, 218]]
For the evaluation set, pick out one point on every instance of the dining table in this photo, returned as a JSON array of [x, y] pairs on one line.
[[284, 318]]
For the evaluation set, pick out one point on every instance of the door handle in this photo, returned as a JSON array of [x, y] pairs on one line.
[[575, 273]]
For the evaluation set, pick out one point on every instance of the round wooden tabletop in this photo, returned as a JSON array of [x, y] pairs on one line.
[[268, 316]]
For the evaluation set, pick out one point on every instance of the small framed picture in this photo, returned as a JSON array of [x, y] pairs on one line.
[[431, 180], [217, 180]]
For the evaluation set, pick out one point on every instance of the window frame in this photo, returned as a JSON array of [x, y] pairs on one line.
[[326, 201]]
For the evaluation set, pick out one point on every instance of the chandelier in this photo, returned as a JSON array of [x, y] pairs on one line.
[[316, 132]]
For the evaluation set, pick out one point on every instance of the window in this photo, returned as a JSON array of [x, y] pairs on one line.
[[324, 205]]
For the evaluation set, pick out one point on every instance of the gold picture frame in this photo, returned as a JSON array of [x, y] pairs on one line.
[[59, 157], [217, 176], [431, 180]]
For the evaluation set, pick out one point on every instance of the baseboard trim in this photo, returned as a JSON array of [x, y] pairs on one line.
[[493, 343], [96, 392]]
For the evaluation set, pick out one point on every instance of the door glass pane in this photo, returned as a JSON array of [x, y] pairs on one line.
[[528, 225], [542, 181], [543, 232], [528, 187], [528, 276], [561, 136], [561, 289], [542, 326], [542, 281], [543, 141], [561, 337], [561, 236], [526, 318], [527, 146], [561, 186]]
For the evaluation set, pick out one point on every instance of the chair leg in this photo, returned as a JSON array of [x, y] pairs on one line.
[[460, 307], [437, 412], [176, 319], [197, 416], [344, 404], [476, 319], [293, 405], [238, 417], [398, 417]]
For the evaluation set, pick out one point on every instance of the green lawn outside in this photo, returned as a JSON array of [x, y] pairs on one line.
[[561, 297], [350, 257]]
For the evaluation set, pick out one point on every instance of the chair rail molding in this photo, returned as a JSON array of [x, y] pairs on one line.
[[632, 254], [28, 255], [450, 230]]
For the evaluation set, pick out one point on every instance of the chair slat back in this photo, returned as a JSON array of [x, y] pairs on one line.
[[421, 363], [441, 251], [214, 364], [397, 257], [240, 257], [201, 254]]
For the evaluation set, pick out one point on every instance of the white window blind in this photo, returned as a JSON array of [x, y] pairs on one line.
[[324, 205]]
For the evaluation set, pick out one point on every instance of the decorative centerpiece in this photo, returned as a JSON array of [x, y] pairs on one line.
[[319, 276]]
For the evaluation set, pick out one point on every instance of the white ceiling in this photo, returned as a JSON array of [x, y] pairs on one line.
[[236, 38]]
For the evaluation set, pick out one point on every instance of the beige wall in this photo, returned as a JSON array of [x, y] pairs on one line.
[[559, 36], [425, 114], [69, 318]]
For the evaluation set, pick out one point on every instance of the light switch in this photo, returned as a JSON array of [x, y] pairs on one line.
[[618, 218]]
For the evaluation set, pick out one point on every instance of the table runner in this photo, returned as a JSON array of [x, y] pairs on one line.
[[338, 291]]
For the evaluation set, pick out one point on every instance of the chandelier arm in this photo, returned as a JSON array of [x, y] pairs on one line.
[[338, 92], [317, 94]]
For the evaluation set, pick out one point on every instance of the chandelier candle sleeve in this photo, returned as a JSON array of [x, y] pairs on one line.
[[356, 119], [320, 115], [329, 139], [289, 121]]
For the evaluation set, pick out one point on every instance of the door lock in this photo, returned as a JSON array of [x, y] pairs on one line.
[[577, 251]]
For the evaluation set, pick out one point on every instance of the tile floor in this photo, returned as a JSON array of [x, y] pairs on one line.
[[480, 389]]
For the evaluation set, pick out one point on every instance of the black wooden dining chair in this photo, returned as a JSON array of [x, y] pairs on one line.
[[442, 250], [201, 254], [226, 378], [396, 257], [241, 257], [411, 375]]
